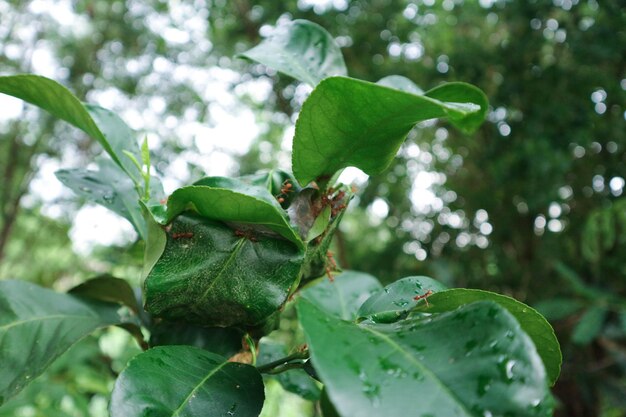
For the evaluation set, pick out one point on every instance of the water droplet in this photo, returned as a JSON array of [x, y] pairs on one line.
[[231, 411], [484, 384]]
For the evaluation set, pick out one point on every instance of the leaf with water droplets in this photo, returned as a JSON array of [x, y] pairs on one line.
[[342, 296], [109, 187], [210, 274], [398, 298], [533, 323], [465, 362], [301, 49], [205, 385]]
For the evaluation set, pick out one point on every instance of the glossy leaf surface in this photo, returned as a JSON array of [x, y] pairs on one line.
[[231, 200], [37, 325], [210, 275], [296, 381], [531, 322], [301, 49], [99, 123], [347, 122], [343, 296], [473, 361], [398, 298], [185, 381]]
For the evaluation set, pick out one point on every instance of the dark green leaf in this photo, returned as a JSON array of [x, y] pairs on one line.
[[473, 361], [185, 381], [231, 200], [296, 381], [400, 83], [37, 325], [533, 323], [302, 50], [347, 122], [224, 341], [109, 289], [209, 275], [343, 296], [397, 299], [101, 124], [108, 187], [590, 325]]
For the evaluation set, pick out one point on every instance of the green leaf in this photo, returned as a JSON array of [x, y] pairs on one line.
[[208, 274], [347, 122], [231, 200], [205, 385], [398, 298], [37, 325], [155, 241], [101, 124], [459, 95], [109, 188], [400, 83], [590, 325], [108, 288], [225, 341], [296, 381], [531, 322], [302, 50], [473, 361], [343, 296]]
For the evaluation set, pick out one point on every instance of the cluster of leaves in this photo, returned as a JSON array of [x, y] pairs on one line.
[[224, 256]]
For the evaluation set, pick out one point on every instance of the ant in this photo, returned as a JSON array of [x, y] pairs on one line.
[[246, 234], [331, 266], [284, 189], [186, 235], [424, 297]]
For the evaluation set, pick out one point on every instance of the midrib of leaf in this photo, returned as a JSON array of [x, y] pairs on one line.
[[419, 365], [53, 317], [355, 144], [230, 259], [196, 388]]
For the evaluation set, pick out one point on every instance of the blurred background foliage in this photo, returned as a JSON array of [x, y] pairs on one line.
[[531, 206]]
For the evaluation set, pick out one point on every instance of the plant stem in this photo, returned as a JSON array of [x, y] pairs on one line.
[[284, 363]]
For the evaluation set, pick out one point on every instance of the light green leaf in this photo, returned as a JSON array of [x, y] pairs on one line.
[[473, 361], [231, 200], [205, 385], [37, 325], [398, 298], [208, 274], [531, 322], [108, 187], [400, 83], [348, 122], [99, 123], [343, 296], [302, 50]]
